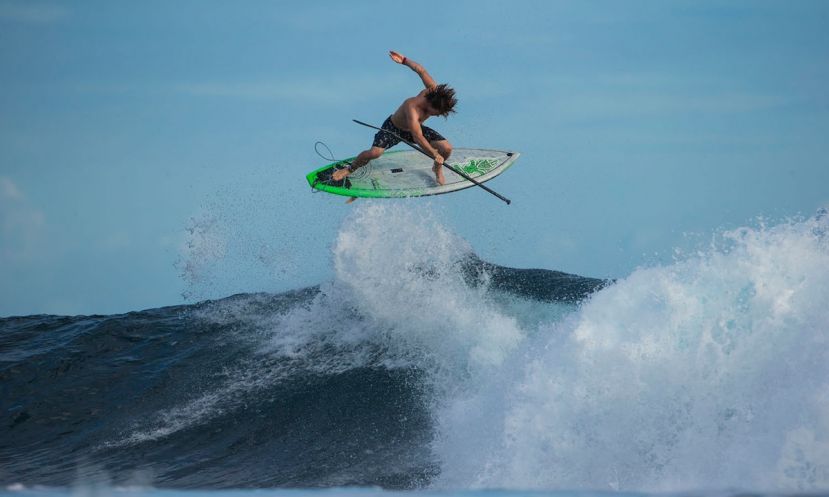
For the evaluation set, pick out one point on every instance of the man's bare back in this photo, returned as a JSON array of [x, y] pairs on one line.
[[407, 122], [412, 108]]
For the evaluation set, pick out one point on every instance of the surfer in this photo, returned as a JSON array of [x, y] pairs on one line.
[[407, 123]]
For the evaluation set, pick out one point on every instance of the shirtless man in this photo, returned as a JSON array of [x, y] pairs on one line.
[[407, 122]]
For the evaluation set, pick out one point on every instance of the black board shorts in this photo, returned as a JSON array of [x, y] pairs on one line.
[[388, 140]]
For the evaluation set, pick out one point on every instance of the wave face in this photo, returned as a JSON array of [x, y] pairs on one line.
[[421, 365]]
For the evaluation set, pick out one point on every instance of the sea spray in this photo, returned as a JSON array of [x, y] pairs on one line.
[[712, 372], [401, 298], [404, 270]]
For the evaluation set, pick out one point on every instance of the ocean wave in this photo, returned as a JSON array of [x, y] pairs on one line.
[[330, 385], [420, 365]]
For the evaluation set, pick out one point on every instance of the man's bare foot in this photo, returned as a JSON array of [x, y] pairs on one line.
[[339, 174], [439, 174]]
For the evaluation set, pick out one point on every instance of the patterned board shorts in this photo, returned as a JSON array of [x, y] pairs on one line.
[[387, 140]]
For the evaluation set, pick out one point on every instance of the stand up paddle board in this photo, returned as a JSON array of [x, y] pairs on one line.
[[408, 173]]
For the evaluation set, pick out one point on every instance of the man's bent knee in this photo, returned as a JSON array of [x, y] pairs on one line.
[[444, 147]]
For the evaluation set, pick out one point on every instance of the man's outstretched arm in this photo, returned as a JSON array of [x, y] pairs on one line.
[[414, 66]]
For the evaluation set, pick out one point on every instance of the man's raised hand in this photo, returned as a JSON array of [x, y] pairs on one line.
[[397, 57]]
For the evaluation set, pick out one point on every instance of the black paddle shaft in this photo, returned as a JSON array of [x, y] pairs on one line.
[[453, 168]]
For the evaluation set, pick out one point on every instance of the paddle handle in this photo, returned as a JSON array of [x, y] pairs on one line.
[[453, 168]]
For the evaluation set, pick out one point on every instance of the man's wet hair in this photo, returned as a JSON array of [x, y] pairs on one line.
[[442, 98]]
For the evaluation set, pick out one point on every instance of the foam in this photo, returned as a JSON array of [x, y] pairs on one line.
[[709, 373]]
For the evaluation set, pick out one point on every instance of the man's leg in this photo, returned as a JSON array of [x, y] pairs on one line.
[[445, 150], [360, 161]]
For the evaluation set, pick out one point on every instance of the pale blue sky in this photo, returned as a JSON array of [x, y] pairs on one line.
[[125, 124]]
